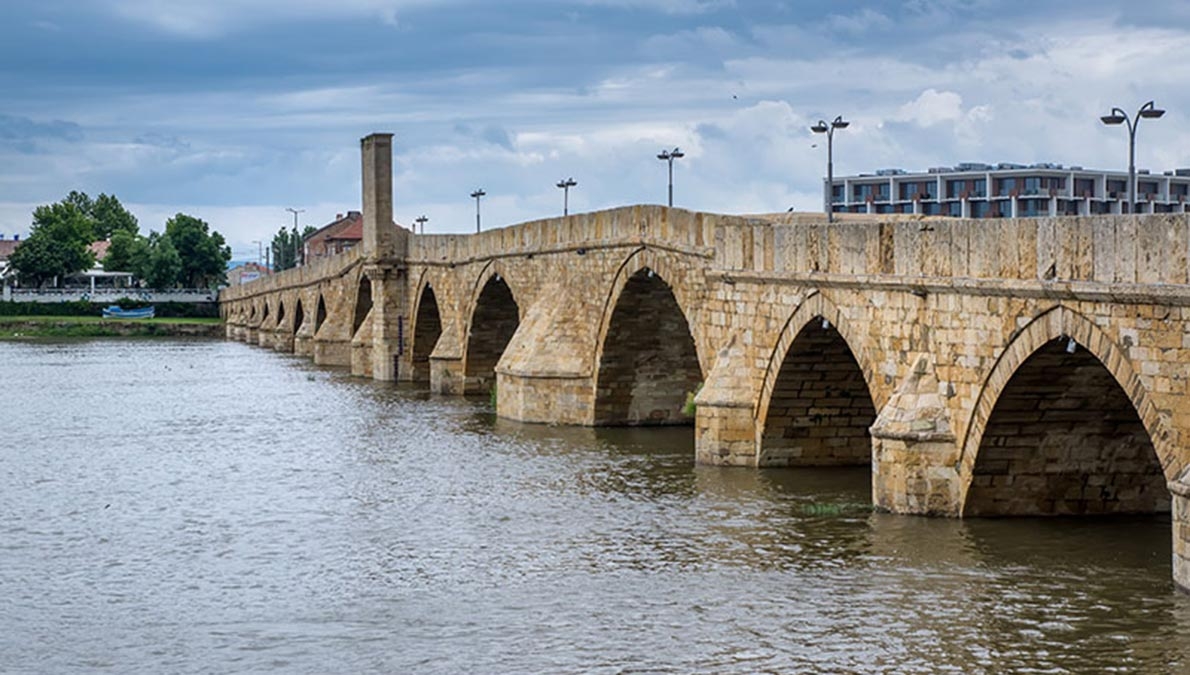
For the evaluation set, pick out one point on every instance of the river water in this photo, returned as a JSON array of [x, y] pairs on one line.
[[205, 506]]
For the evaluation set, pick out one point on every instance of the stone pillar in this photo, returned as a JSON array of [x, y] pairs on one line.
[[388, 307], [377, 155], [1180, 492], [914, 453], [724, 424]]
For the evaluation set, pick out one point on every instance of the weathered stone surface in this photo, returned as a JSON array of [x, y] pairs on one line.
[[939, 349]]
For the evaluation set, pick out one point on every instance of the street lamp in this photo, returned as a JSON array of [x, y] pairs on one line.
[[829, 129], [670, 156], [421, 220], [296, 240], [566, 185], [476, 195], [1117, 116]]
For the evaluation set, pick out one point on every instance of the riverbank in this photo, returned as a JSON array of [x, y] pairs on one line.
[[22, 327]]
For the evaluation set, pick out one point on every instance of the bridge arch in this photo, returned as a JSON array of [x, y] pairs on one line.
[[363, 302], [426, 328], [647, 359], [319, 313], [281, 312], [299, 315], [494, 316], [1063, 425], [816, 400], [264, 316]]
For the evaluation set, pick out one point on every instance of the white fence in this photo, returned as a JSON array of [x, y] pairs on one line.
[[109, 295]]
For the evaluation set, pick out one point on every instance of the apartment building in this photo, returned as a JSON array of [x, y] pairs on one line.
[[974, 190]]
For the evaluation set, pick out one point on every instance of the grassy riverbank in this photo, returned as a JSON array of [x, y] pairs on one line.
[[21, 327]]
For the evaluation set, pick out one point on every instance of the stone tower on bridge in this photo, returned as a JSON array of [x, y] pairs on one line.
[[979, 367]]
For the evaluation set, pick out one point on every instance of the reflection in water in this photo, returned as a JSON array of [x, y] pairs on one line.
[[206, 506]]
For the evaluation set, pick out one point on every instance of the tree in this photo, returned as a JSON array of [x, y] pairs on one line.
[[128, 252], [287, 246], [111, 217], [204, 253], [164, 266], [57, 245]]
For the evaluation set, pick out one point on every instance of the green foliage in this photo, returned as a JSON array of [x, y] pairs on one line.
[[287, 247], [61, 233], [164, 268], [128, 252], [176, 310], [77, 308], [57, 244], [690, 408], [111, 217], [203, 253]]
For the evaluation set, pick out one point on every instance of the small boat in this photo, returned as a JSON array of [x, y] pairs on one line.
[[115, 312]]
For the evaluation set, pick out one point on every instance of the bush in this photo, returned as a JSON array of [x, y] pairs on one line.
[[170, 310]]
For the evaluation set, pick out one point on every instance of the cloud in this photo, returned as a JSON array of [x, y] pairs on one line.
[[932, 107], [214, 18], [26, 135]]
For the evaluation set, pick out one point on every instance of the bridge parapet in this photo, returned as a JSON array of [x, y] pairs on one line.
[[319, 270], [677, 229], [1048, 254]]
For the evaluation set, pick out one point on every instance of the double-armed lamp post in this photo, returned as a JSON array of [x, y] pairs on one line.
[[829, 129], [566, 185], [421, 221], [1118, 116], [670, 156]]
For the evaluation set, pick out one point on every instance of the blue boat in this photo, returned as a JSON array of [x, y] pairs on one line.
[[115, 312]]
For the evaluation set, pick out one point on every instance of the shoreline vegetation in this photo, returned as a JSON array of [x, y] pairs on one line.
[[30, 327]]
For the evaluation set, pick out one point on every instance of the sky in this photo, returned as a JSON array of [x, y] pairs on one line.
[[234, 110]]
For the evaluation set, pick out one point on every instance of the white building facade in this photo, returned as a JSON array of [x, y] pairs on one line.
[[1008, 191]]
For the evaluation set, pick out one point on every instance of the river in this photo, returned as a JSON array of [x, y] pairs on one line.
[[205, 506]]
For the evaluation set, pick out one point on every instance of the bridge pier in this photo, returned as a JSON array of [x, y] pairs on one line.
[[725, 430], [1180, 491], [915, 454]]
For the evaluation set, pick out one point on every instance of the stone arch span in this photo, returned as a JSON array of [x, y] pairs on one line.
[[299, 315], [816, 401], [647, 359], [674, 274], [426, 329], [319, 313], [493, 319], [363, 303], [1063, 425]]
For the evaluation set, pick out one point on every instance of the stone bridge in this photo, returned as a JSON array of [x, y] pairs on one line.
[[980, 367]]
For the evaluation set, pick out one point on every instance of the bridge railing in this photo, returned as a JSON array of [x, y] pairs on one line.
[[101, 295]]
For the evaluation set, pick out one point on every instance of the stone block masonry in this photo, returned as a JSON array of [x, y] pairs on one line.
[[981, 367]]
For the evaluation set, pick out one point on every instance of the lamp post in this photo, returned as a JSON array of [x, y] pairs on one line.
[[1117, 116], [421, 220], [566, 185], [829, 129], [476, 195], [670, 156], [259, 251], [296, 241]]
